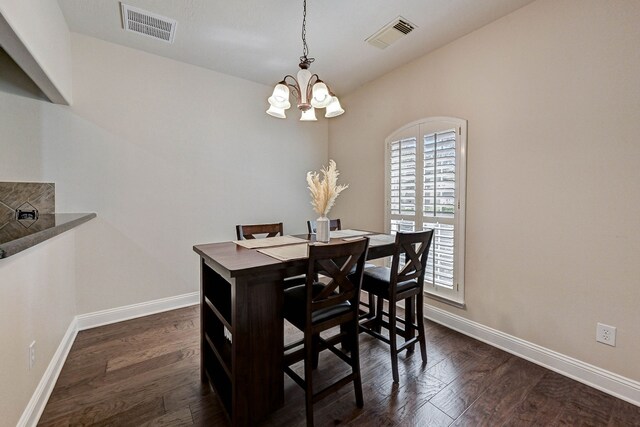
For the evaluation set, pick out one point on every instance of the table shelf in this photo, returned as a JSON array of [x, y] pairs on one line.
[[215, 337], [218, 377], [217, 295], [221, 317], [217, 347]]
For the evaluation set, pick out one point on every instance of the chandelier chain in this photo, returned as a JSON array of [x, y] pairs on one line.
[[305, 48]]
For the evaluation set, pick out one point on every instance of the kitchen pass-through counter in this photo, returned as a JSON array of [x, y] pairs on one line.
[[16, 235]]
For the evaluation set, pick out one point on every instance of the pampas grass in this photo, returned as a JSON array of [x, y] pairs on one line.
[[324, 190]]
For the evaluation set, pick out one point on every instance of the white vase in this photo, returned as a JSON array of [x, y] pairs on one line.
[[322, 229]]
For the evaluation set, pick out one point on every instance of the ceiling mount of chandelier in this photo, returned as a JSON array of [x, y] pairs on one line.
[[309, 90]]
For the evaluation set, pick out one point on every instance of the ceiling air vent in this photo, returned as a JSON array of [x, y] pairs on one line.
[[391, 33], [148, 24]]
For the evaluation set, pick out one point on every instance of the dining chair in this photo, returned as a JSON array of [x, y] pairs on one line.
[[334, 224], [315, 307], [400, 282], [251, 231]]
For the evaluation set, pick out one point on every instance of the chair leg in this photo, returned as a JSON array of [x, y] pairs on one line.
[[420, 321], [345, 344], [378, 323], [372, 308], [308, 369], [355, 364], [409, 331], [393, 341], [315, 346]]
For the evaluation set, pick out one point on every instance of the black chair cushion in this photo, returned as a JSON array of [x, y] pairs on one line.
[[376, 281], [352, 273], [290, 282], [295, 306]]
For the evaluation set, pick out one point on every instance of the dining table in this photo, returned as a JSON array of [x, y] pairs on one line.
[[241, 322]]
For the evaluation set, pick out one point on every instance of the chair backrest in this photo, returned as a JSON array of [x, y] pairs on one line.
[[334, 224], [415, 246], [250, 231], [336, 262]]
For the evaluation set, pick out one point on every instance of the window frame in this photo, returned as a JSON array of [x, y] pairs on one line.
[[418, 129]]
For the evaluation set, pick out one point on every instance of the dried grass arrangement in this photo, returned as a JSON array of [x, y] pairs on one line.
[[324, 189]]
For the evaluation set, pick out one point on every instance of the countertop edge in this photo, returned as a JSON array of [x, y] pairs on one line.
[[15, 246]]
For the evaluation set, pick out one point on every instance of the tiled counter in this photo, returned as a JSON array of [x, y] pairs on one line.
[[27, 216]]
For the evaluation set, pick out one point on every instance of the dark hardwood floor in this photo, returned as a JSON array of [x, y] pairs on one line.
[[145, 372]]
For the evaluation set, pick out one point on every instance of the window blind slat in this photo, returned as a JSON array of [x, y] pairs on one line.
[[440, 264], [403, 176], [439, 174]]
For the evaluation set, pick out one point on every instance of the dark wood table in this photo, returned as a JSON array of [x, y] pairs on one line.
[[242, 326]]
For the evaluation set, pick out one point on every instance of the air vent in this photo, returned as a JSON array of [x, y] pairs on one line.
[[148, 24], [391, 33]]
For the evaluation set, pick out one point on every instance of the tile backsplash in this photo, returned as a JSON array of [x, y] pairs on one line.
[[26, 197]]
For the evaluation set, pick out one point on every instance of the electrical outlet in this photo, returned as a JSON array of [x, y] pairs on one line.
[[606, 334], [32, 355]]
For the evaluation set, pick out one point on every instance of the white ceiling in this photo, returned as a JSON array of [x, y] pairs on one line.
[[259, 40]]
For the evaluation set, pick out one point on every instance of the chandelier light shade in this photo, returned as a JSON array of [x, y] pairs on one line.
[[334, 109], [310, 92], [276, 112], [309, 115]]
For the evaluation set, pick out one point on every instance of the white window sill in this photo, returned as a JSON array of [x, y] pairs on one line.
[[452, 302]]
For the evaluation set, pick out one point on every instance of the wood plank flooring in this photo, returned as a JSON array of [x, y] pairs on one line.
[[145, 372]]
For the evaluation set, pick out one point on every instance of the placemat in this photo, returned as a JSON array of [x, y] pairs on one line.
[[268, 242], [347, 233], [287, 253]]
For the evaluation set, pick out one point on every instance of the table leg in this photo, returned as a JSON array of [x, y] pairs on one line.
[[258, 340]]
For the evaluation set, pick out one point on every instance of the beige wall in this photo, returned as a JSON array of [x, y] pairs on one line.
[[37, 303], [35, 34], [551, 96]]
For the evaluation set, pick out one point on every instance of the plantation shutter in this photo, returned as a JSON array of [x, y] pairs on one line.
[[425, 166], [403, 191], [439, 182]]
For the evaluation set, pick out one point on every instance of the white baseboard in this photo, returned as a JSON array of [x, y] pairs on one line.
[[606, 381], [127, 312], [39, 399]]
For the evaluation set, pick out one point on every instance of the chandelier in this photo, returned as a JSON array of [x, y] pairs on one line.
[[309, 90]]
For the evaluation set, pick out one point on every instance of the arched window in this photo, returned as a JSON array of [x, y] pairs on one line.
[[425, 166]]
